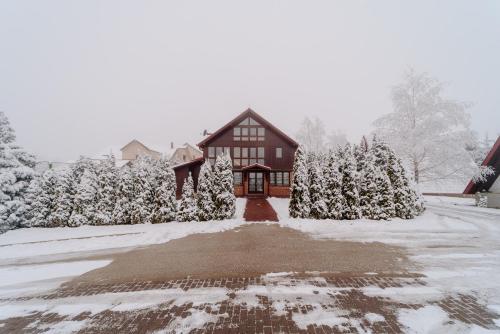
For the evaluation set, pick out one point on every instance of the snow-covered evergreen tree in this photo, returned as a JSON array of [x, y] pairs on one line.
[[224, 199], [385, 194], [187, 210], [66, 191], [300, 204], [205, 193], [333, 187], [369, 196], [43, 200], [319, 209], [406, 199], [122, 213], [165, 203], [84, 210], [349, 183], [144, 188], [16, 173], [107, 187]]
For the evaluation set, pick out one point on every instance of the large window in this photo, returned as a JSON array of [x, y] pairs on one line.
[[214, 152], [238, 178], [249, 130], [280, 178], [246, 156]]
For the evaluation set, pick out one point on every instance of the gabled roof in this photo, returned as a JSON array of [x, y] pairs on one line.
[[247, 113], [256, 166], [492, 160], [138, 142]]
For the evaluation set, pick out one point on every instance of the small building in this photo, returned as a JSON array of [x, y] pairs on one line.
[[262, 156], [184, 154], [135, 148], [488, 192]]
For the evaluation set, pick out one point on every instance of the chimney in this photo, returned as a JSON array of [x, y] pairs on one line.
[[172, 145]]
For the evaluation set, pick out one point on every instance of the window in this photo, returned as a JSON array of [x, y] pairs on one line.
[[260, 152], [237, 131], [238, 178], [280, 178], [236, 152], [279, 152], [214, 152]]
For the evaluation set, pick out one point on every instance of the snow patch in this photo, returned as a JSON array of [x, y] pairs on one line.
[[428, 319]]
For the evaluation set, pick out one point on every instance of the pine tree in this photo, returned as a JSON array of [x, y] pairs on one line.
[[385, 194], [66, 191], [144, 185], [122, 213], [187, 210], [165, 203], [16, 173], [224, 199], [334, 199], [319, 209], [349, 184], [107, 187], [205, 193], [407, 202], [84, 210], [300, 204], [369, 196], [43, 200]]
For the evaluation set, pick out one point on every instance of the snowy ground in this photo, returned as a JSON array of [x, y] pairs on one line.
[[454, 244]]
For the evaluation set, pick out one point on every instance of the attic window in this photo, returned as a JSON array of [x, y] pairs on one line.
[[249, 121]]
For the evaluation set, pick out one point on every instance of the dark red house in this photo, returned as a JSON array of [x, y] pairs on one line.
[[262, 156]]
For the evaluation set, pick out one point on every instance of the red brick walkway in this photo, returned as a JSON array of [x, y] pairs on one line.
[[258, 210], [236, 316]]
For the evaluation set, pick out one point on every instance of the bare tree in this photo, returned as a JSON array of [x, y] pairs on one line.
[[428, 131], [312, 135]]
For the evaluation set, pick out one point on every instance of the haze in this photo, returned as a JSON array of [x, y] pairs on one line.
[[79, 76]]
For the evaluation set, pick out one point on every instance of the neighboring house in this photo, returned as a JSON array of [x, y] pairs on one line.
[[262, 156], [488, 192], [184, 154], [135, 149]]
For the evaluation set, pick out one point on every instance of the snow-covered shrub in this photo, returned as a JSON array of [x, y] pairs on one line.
[[43, 200], [369, 195], [333, 187], [349, 183], [144, 185], [165, 203], [16, 173], [65, 192], [107, 186], [122, 212], [319, 209], [225, 200], [300, 204], [187, 210], [84, 210], [205, 193]]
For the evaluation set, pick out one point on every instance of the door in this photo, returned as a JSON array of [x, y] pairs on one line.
[[255, 182]]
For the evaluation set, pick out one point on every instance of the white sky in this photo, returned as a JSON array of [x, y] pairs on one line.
[[79, 76]]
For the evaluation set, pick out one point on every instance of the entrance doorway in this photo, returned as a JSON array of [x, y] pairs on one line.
[[255, 182]]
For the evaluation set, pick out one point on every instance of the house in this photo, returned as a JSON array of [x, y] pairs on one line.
[[488, 192], [185, 153], [135, 149], [262, 156]]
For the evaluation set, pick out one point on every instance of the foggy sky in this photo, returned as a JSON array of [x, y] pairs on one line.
[[79, 76]]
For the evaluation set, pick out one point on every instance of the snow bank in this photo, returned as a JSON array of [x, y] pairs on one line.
[[31, 242]]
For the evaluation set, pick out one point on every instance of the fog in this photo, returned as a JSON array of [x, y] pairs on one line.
[[79, 76]]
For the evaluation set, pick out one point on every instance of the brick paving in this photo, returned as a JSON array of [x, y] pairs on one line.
[[235, 316], [259, 209]]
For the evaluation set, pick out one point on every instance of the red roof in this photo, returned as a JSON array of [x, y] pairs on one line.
[[492, 158], [199, 160], [239, 118]]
